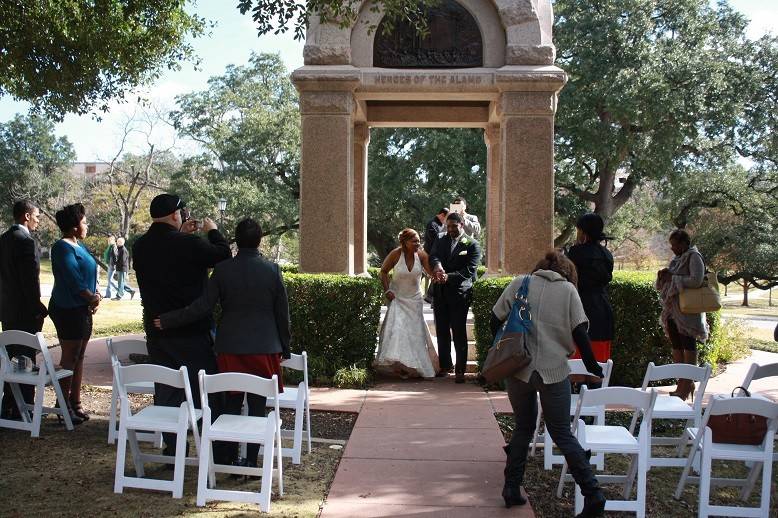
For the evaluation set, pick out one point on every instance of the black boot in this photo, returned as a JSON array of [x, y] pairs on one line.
[[514, 475], [594, 500]]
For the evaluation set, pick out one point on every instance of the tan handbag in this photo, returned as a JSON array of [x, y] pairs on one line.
[[704, 299]]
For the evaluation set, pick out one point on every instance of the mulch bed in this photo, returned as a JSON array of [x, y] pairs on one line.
[[541, 484]]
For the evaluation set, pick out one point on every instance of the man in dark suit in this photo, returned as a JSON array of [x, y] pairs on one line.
[[171, 264], [435, 228], [21, 308], [454, 260]]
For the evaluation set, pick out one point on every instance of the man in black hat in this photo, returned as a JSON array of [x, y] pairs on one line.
[[171, 264]]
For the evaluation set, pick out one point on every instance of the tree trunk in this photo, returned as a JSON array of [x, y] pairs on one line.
[[745, 293]]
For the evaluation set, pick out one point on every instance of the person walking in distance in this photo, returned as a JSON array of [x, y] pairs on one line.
[[21, 308], [171, 263]]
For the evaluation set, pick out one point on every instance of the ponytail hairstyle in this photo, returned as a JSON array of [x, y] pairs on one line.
[[557, 262]]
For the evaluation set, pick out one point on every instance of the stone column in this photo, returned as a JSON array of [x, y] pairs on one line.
[[361, 141], [327, 182], [527, 156], [494, 200]]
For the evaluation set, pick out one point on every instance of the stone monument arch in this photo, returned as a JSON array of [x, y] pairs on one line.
[[485, 64]]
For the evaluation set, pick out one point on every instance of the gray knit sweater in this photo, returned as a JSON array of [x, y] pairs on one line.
[[556, 310]]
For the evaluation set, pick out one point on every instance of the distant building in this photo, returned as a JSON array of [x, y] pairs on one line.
[[89, 170]]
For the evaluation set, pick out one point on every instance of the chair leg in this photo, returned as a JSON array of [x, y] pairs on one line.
[[64, 404], [308, 422], [267, 472], [112, 416], [767, 471], [280, 463], [753, 474], [37, 410], [705, 480], [137, 459], [211, 469], [297, 445], [561, 486], [641, 492], [536, 435], [121, 453], [178, 469], [203, 469], [631, 472]]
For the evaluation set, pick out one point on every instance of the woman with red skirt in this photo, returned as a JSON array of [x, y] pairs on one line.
[[594, 264], [253, 335]]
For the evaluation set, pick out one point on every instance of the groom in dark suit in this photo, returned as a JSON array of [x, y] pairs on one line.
[[454, 260], [21, 308]]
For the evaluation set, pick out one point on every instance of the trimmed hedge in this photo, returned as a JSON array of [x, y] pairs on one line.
[[335, 319], [638, 337]]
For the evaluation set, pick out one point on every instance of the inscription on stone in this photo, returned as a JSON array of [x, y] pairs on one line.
[[454, 41], [428, 79]]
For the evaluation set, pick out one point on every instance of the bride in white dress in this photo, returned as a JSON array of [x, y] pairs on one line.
[[405, 347]]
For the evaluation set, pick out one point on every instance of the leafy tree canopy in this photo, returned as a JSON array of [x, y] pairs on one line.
[[72, 56], [656, 87], [34, 162], [248, 121]]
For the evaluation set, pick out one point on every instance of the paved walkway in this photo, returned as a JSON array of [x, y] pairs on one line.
[[422, 448]]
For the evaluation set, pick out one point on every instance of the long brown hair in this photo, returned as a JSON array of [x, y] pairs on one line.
[[557, 262]]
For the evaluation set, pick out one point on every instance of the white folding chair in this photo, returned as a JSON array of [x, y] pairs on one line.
[[47, 375], [118, 350], [759, 457], [177, 420], [758, 372], [616, 439], [239, 428], [671, 407], [298, 399], [598, 412]]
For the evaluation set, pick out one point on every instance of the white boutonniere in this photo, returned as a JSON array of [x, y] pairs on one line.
[[464, 241], [463, 252]]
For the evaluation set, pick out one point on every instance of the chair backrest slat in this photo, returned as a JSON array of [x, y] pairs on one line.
[[153, 373], [720, 405], [757, 372], [618, 396], [120, 349], [21, 338], [675, 370], [294, 362], [239, 382]]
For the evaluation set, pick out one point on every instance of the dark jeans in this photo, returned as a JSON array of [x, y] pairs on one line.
[[28, 391], [555, 400], [233, 406], [193, 352], [451, 318]]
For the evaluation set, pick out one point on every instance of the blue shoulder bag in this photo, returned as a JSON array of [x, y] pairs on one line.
[[509, 353]]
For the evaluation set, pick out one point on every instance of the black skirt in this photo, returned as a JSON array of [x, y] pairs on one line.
[[72, 323]]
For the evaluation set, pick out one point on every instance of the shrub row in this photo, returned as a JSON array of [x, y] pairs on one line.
[[638, 337], [335, 319]]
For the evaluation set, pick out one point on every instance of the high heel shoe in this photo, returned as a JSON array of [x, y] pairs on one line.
[[512, 495], [75, 409], [74, 418]]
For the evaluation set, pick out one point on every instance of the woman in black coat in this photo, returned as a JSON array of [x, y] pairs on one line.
[[594, 263]]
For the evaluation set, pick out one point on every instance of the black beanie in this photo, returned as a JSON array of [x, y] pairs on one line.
[[592, 225], [164, 204]]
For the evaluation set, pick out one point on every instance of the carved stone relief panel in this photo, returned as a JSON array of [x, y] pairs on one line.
[[454, 41]]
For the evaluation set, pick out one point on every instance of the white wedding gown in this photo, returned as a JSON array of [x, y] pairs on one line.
[[405, 345]]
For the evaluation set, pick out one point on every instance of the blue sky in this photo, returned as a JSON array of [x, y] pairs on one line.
[[231, 42]]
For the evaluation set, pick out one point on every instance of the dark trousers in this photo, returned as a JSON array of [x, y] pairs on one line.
[[555, 400], [233, 406], [451, 318], [194, 352], [28, 391]]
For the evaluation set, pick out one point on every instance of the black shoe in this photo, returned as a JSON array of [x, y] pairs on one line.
[[512, 495], [593, 506], [460, 378], [442, 373]]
